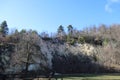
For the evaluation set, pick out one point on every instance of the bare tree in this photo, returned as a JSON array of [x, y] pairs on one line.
[[27, 50]]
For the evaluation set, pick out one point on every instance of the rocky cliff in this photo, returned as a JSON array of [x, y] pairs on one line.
[[32, 53]]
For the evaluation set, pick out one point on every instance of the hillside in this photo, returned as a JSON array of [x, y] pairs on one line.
[[94, 50]]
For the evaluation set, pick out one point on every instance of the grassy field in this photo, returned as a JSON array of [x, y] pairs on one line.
[[89, 77]]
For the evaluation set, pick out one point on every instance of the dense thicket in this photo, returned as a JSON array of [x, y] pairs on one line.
[[91, 50]]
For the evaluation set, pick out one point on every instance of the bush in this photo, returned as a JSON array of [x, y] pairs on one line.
[[72, 42], [105, 41], [81, 40]]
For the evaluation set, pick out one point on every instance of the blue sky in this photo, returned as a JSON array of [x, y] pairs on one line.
[[47, 15]]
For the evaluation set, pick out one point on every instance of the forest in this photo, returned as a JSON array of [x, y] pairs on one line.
[[94, 49]]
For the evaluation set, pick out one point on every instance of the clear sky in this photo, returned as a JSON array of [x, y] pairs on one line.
[[47, 15]]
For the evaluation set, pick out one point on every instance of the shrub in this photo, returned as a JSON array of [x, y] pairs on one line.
[[72, 42], [105, 41], [81, 40]]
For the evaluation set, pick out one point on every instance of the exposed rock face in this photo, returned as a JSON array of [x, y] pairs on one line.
[[5, 54], [64, 58]]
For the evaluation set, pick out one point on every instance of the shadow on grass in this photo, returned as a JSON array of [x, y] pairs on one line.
[[79, 65]]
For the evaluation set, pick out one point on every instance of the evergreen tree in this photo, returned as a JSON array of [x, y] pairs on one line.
[[4, 28], [61, 31], [70, 29], [23, 31]]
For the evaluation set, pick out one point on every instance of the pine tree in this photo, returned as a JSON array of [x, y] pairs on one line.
[[61, 31], [4, 28], [70, 29]]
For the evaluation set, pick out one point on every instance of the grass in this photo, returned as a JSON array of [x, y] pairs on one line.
[[89, 77]]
